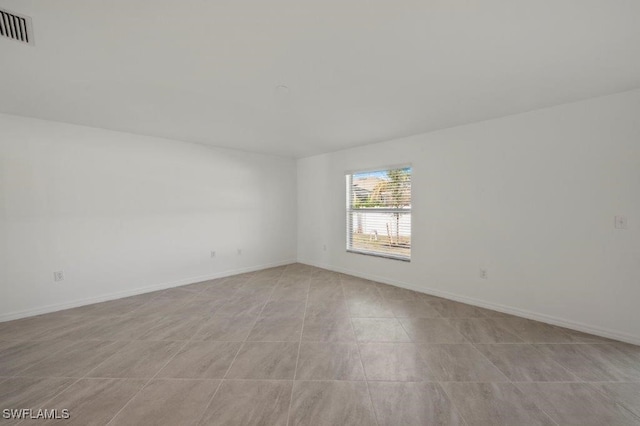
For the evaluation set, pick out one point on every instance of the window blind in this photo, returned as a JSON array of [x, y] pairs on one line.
[[379, 213]]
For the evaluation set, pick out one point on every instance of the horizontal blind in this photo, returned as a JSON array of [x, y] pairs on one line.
[[379, 213]]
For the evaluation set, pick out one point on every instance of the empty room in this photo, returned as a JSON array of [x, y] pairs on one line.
[[320, 212]]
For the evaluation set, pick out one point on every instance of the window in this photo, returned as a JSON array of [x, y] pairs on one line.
[[379, 213]]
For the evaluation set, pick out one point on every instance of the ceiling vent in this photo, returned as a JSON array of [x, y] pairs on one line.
[[15, 27]]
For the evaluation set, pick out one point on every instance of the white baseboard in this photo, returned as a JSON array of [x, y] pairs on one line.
[[562, 322], [133, 292]]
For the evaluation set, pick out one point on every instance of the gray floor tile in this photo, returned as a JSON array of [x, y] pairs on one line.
[[199, 306], [524, 363], [374, 307], [248, 402], [202, 285], [484, 330], [631, 352], [22, 355], [281, 294], [5, 344], [137, 359], [327, 309], [175, 293], [415, 308], [241, 305], [431, 330], [276, 329], [577, 404], [391, 292], [82, 327], [166, 305], [173, 327], [625, 357], [41, 327], [286, 309], [412, 404], [129, 327], [66, 329], [379, 330], [496, 314], [535, 332], [219, 292], [94, 401], [30, 392], [625, 394], [168, 402], [494, 404], [592, 363], [328, 330], [325, 291], [99, 328], [265, 360], [330, 285], [293, 284], [367, 293], [452, 309], [201, 360], [260, 292], [75, 360], [329, 361], [394, 362], [459, 363], [580, 337], [225, 329], [330, 404], [114, 307]]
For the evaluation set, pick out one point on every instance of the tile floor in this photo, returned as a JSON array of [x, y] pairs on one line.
[[304, 346]]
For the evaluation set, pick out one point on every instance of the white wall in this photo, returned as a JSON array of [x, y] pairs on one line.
[[123, 213], [531, 197]]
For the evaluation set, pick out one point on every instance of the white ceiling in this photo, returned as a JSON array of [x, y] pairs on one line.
[[358, 71]]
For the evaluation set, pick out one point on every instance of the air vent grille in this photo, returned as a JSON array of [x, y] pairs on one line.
[[15, 27]]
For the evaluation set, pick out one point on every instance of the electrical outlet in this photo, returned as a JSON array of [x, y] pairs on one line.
[[620, 222], [58, 276], [213, 253], [484, 274], [239, 252]]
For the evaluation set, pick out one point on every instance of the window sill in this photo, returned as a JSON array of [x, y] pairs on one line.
[[382, 255]]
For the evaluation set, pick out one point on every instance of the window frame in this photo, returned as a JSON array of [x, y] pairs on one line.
[[350, 210]]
